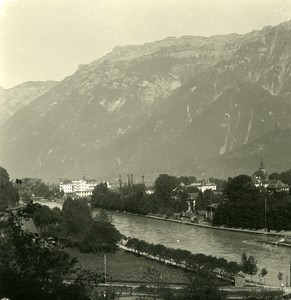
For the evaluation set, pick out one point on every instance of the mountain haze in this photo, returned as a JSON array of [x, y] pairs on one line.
[[180, 105], [14, 99]]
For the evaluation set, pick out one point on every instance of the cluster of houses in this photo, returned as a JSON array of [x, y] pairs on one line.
[[261, 179]]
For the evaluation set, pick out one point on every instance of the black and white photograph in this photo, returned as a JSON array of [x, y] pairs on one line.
[[145, 149]]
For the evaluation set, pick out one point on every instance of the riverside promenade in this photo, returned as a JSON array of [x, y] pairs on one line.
[[261, 231]]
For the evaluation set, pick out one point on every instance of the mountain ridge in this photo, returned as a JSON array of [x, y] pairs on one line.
[[165, 109]]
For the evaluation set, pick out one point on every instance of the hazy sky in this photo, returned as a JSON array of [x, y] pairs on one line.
[[47, 39]]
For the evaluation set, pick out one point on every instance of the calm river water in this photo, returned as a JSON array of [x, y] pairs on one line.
[[220, 243]]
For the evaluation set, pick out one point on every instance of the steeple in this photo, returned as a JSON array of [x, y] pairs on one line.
[[262, 167]]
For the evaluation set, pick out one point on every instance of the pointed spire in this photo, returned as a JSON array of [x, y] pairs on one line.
[[262, 164]]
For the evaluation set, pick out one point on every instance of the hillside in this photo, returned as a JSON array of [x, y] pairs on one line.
[[274, 146], [14, 99]]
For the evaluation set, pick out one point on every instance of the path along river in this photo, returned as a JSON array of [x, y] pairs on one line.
[[220, 243]]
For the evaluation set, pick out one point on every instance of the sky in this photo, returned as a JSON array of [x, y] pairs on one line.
[[48, 39]]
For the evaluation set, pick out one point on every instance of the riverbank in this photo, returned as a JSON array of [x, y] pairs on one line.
[[240, 230], [260, 232]]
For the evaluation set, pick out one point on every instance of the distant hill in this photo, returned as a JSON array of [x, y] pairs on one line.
[[169, 106], [15, 98]]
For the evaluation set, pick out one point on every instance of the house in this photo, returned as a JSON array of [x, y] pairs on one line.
[[210, 210], [66, 186], [204, 185], [81, 187], [277, 186], [239, 279]]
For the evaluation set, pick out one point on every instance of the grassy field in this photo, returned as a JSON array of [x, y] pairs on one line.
[[125, 266]]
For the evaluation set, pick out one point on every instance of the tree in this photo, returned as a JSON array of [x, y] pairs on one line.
[[43, 190], [99, 195], [286, 178], [156, 282], [164, 185], [280, 277], [29, 186], [275, 176], [249, 264], [47, 220], [76, 219], [89, 234], [32, 267], [241, 188], [186, 179], [26, 198], [202, 286], [263, 273], [8, 193], [101, 236], [220, 183], [201, 202]]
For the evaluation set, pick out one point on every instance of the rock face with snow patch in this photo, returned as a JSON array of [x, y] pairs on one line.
[[167, 106]]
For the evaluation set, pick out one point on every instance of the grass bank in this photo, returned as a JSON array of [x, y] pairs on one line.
[[124, 266]]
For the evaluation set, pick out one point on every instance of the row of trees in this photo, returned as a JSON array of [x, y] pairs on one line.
[[169, 197], [134, 199], [197, 262], [29, 187], [184, 258]]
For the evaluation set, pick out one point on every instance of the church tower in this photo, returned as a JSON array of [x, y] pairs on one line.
[[262, 167]]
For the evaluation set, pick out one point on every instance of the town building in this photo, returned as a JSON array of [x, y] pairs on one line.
[[277, 186], [210, 210], [261, 179], [204, 185], [81, 187], [240, 279]]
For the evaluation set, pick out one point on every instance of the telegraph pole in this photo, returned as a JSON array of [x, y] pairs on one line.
[[265, 214], [105, 268]]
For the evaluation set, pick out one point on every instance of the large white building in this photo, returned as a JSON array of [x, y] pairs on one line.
[[81, 187], [204, 185]]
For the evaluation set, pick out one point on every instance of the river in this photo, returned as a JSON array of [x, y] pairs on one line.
[[220, 243]]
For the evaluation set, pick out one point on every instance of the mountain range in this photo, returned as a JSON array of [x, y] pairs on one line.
[[205, 106]]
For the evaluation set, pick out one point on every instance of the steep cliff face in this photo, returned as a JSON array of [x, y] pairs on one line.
[[273, 146], [166, 106]]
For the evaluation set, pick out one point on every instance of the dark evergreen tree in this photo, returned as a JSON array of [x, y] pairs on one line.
[[8, 193]]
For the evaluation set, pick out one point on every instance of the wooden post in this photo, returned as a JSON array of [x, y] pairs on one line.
[[105, 269]]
